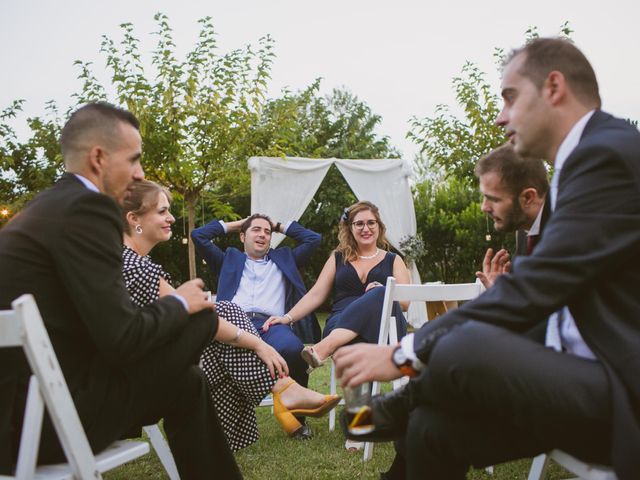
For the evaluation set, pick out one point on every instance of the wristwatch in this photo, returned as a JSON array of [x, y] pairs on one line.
[[404, 363]]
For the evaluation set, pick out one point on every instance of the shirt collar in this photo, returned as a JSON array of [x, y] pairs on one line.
[[535, 228], [571, 141], [264, 259], [87, 183], [567, 146]]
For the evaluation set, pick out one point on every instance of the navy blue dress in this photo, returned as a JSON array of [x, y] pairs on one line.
[[356, 310]]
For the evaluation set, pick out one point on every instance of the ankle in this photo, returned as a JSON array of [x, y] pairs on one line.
[[321, 351], [283, 384]]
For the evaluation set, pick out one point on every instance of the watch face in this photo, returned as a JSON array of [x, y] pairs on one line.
[[399, 358]]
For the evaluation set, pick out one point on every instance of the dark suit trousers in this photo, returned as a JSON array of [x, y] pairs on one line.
[[490, 395], [167, 384]]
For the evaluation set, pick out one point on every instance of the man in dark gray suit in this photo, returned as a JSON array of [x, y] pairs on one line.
[[125, 367], [488, 393]]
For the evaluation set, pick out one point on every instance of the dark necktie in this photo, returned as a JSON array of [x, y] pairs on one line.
[[532, 240]]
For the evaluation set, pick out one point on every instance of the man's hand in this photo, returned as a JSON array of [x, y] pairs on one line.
[[235, 225], [196, 298], [356, 364], [493, 267]]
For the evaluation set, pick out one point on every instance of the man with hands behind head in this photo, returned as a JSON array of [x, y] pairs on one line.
[[265, 282]]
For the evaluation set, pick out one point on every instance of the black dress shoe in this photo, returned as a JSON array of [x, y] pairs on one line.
[[390, 415], [304, 433]]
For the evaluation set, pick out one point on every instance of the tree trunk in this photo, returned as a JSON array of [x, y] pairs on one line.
[[191, 201]]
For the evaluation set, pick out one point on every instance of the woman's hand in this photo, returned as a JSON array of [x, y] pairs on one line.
[[275, 320], [372, 285], [272, 359]]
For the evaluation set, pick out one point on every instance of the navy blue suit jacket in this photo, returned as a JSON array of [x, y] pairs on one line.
[[589, 260], [229, 264]]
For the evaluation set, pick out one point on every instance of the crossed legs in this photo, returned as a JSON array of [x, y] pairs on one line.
[[490, 396], [166, 383]]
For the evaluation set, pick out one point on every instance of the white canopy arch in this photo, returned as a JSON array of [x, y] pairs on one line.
[[284, 187]]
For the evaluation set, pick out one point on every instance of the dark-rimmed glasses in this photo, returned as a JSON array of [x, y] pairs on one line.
[[361, 223]]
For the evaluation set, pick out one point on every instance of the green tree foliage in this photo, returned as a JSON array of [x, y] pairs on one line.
[[446, 199], [201, 119], [26, 167], [196, 115], [337, 125], [454, 231]]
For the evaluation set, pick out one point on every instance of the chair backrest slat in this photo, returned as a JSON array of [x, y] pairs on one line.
[[436, 292]]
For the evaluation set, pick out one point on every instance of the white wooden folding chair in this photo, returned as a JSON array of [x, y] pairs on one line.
[[584, 470], [413, 292], [22, 326]]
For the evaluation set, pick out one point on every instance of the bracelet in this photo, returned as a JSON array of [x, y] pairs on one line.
[[238, 334], [286, 315]]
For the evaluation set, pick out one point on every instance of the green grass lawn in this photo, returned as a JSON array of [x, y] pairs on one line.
[[275, 456]]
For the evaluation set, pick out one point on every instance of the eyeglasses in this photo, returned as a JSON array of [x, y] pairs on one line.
[[361, 223]]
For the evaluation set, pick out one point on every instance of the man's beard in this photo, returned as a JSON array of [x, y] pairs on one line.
[[515, 220]]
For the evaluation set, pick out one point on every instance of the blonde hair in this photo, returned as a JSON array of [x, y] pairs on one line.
[[347, 244], [143, 196]]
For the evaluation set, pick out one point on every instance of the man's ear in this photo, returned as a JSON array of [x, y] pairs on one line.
[[97, 158], [527, 196], [242, 237], [555, 87]]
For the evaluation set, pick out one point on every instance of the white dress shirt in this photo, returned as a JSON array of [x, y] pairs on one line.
[[562, 332], [262, 285]]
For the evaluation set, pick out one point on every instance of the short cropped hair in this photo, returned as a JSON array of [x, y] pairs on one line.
[[97, 122], [545, 55], [247, 223], [516, 173]]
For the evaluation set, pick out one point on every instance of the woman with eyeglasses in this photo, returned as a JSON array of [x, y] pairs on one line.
[[357, 271]]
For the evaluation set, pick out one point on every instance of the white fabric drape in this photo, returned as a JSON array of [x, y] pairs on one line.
[[284, 187]]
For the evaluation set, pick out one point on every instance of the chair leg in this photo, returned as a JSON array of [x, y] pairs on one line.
[[368, 451], [163, 451], [31, 429], [332, 390], [538, 467]]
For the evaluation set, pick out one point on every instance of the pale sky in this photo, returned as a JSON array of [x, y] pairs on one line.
[[399, 57]]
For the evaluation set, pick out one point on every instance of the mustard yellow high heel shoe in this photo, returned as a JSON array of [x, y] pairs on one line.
[[285, 418]]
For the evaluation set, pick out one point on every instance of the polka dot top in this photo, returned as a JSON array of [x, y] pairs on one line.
[[141, 277]]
